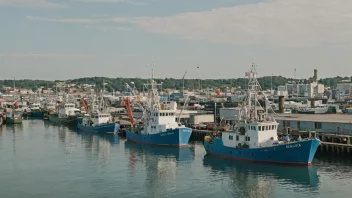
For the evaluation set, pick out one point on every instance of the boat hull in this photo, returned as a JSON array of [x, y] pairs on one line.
[[68, 120], [36, 114], [103, 128], [174, 137], [11, 120], [306, 112], [297, 153]]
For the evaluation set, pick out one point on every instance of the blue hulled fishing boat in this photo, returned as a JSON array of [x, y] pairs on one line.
[[98, 123], [254, 135], [159, 121], [35, 110]]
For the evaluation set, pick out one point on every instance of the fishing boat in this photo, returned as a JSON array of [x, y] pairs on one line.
[[159, 121], [67, 114], [49, 108], [316, 110], [254, 135], [15, 118], [98, 123], [35, 110]]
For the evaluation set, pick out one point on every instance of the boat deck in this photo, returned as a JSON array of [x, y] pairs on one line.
[[332, 118]]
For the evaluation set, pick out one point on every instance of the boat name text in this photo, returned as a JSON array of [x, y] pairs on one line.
[[293, 146], [163, 134]]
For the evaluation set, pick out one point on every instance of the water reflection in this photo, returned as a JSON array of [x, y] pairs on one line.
[[261, 180], [182, 154], [338, 167], [98, 146], [12, 127], [13, 130], [161, 164]]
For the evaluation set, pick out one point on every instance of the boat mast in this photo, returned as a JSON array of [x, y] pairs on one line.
[[14, 89]]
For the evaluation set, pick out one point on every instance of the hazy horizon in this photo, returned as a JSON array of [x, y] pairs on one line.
[[68, 39]]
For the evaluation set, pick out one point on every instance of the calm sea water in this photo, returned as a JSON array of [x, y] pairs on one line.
[[39, 159]]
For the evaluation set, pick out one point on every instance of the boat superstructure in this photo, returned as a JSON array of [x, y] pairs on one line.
[[98, 121], [159, 121], [66, 113], [254, 135], [35, 110]]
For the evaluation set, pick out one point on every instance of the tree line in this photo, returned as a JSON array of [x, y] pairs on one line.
[[119, 84]]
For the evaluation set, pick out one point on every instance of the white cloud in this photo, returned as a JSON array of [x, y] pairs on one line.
[[31, 3], [46, 55], [82, 20], [273, 22], [107, 28], [64, 20], [112, 1]]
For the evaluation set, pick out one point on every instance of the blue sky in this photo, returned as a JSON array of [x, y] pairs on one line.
[[65, 39]]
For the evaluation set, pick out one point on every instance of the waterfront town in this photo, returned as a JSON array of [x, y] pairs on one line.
[[175, 98], [302, 108]]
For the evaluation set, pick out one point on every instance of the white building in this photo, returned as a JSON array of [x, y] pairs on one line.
[[305, 90], [343, 90]]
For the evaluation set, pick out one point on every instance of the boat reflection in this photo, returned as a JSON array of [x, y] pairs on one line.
[[181, 154], [259, 180], [12, 127], [161, 166], [95, 137]]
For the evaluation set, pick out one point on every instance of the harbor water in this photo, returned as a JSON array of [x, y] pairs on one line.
[[40, 159]]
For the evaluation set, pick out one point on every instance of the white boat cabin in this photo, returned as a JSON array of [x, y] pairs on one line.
[[50, 106], [34, 106], [68, 109], [252, 133], [96, 119], [162, 119]]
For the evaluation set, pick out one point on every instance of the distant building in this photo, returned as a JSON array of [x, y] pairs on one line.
[[176, 96], [343, 90], [303, 88]]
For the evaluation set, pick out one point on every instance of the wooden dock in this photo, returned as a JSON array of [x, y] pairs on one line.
[[331, 147]]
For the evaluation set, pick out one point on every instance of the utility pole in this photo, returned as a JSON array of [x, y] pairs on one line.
[[199, 81], [183, 83], [271, 83]]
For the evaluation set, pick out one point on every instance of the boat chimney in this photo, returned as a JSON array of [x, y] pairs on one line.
[[312, 103], [260, 115], [281, 104]]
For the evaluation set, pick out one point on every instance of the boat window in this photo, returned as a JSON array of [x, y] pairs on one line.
[[237, 137], [248, 139], [230, 137], [266, 128], [260, 128]]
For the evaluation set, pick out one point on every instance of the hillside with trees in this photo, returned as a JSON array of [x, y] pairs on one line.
[[118, 84]]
